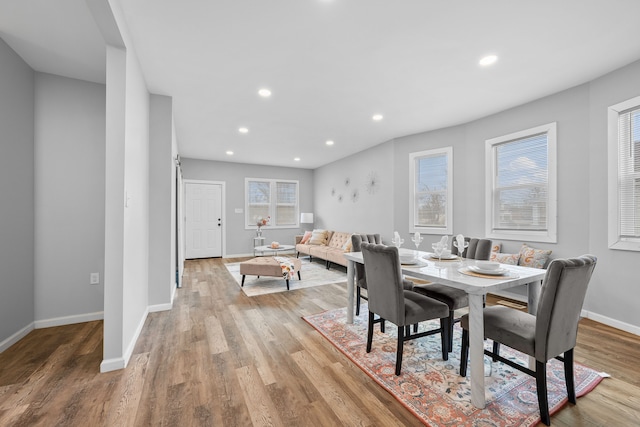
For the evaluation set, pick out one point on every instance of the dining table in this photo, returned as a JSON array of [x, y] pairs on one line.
[[457, 273]]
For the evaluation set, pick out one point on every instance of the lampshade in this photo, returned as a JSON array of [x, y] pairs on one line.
[[306, 218]]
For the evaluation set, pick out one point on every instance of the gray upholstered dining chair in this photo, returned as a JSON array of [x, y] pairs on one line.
[[389, 300], [551, 332], [479, 249], [361, 280]]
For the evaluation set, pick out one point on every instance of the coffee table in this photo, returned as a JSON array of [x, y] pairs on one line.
[[268, 248]]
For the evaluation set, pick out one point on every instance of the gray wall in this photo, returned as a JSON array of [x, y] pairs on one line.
[[16, 195], [346, 199], [69, 200], [161, 201], [238, 240], [581, 114]]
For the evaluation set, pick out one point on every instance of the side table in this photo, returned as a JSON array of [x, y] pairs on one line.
[[257, 241]]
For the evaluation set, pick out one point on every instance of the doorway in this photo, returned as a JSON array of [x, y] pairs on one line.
[[204, 219]]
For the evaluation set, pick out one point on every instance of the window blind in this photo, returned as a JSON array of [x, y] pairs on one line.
[[521, 185], [629, 173], [430, 197]]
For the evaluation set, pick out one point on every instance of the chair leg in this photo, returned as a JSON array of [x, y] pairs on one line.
[[496, 351], [382, 325], [444, 337], [541, 385], [399, 349], [407, 331], [357, 300], [242, 284], [415, 328], [464, 353], [568, 375], [299, 278], [287, 283], [370, 332], [451, 323]]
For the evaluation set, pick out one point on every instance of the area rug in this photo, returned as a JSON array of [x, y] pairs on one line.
[[312, 274], [433, 390]]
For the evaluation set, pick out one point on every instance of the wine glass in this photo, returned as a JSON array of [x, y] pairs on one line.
[[438, 249], [417, 239], [461, 246]]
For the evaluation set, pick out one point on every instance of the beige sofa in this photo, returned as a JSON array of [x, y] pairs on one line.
[[338, 243]]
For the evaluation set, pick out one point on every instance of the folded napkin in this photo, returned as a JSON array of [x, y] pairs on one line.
[[287, 266]]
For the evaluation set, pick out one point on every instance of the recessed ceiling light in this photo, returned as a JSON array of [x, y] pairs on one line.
[[329, 142], [229, 153], [296, 159], [243, 130], [265, 93], [488, 60], [377, 117]]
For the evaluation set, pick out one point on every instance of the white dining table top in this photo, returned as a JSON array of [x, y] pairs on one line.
[[448, 273]]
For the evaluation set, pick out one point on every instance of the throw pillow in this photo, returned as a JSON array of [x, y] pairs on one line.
[[318, 237], [505, 258], [306, 237], [495, 249], [347, 245], [531, 257]]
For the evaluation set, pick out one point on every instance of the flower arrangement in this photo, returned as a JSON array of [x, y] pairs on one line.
[[263, 221]]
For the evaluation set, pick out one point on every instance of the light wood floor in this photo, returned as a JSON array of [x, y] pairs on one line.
[[220, 358]]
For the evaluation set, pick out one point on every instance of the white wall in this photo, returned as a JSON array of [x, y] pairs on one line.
[[581, 114], [126, 194], [69, 199], [16, 197]]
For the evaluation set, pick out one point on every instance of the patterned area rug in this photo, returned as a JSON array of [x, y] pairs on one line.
[[433, 389], [312, 274]]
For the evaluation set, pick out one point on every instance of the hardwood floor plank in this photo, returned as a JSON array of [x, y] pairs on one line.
[[261, 408], [340, 403]]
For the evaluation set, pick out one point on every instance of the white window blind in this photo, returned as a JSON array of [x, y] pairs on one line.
[[521, 188], [628, 188], [277, 199], [431, 189], [286, 203]]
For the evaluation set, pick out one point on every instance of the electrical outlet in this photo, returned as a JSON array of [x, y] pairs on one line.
[[94, 279]]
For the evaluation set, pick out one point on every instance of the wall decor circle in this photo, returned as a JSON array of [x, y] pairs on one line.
[[373, 182]]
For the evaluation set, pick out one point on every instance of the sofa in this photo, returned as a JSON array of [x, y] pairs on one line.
[[327, 245]]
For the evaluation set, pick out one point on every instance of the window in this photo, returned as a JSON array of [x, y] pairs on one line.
[[273, 198], [624, 175], [431, 191], [521, 185]]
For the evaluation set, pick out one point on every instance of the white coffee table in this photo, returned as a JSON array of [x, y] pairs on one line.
[[274, 251]]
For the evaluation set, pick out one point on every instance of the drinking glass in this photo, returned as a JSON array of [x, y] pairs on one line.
[[460, 249]]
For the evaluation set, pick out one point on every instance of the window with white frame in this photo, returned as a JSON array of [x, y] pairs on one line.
[[521, 185], [275, 199], [624, 175], [431, 191]]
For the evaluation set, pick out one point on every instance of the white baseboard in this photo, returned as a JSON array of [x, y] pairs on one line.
[[16, 337], [69, 320], [160, 307], [109, 365], [116, 363], [238, 255], [611, 322]]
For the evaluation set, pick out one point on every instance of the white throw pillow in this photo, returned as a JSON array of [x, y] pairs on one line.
[[318, 237]]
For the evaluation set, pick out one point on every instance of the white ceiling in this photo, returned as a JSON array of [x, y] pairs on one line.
[[332, 64]]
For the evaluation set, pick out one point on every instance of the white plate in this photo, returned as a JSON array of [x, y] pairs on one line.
[[494, 272], [433, 256], [416, 263]]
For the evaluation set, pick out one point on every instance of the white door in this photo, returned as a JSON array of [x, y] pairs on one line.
[[203, 220]]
